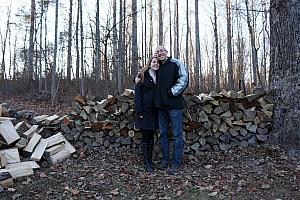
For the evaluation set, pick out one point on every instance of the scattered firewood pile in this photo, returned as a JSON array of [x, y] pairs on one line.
[[24, 141]]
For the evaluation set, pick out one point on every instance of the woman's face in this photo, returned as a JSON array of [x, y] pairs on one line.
[[154, 64]]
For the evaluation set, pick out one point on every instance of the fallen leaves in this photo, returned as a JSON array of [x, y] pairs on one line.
[[246, 174]]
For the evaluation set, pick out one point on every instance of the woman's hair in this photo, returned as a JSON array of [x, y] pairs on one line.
[[141, 74]]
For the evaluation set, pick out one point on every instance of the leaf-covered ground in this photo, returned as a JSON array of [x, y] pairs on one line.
[[262, 172], [249, 173]]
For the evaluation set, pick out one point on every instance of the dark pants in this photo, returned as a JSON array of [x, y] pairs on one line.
[[147, 135], [147, 142]]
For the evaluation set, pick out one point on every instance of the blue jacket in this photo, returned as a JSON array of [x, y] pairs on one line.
[[172, 79], [145, 104]]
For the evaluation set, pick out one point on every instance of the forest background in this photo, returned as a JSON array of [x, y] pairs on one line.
[[97, 47], [68, 47]]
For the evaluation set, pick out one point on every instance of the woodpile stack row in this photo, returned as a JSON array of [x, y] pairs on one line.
[[28, 142], [218, 121]]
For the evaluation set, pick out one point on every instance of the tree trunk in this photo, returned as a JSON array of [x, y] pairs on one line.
[[69, 58], [53, 70], [264, 59], [151, 28], [170, 27], [77, 46], [197, 68], [284, 73], [14, 60], [3, 76], [160, 24], [31, 45], [97, 50], [120, 49], [176, 31], [187, 36], [229, 47], [115, 44], [41, 48], [46, 51], [253, 47], [82, 89], [216, 49], [134, 47]]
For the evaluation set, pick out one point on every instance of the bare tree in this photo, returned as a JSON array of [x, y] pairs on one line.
[[41, 47], [265, 20], [151, 28], [215, 24], [120, 49], [176, 31], [115, 44], [69, 57], [53, 70], [170, 29], [77, 44], [160, 24], [187, 35], [82, 88], [253, 47], [4, 46], [45, 46], [284, 73], [197, 66], [97, 50], [134, 47], [229, 46], [31, 45]]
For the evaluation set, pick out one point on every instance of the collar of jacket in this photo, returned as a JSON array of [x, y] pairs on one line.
[[167, 60]]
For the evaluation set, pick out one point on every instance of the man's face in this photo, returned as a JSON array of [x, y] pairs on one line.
[[161, 53]]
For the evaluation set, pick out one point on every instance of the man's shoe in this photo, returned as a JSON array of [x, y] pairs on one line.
[[149, 169], [162, 165], [173, 169]]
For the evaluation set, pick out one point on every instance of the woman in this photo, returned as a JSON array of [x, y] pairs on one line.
[[146, 113]]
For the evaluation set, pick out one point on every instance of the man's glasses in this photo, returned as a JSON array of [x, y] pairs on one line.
[[160, 51]]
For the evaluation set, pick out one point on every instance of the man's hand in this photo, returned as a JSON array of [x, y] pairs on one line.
[[137, 80]]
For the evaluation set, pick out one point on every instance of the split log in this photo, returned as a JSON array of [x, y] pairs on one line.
[[30, 164], [2, 119], [29, 133], [8, 132], [59, 156], [18, 125], [50, 119], [9, 156], [32, 143], [6, 180], [39, 119], [53, 150], [22, 143], [57, 139], [81, 99], [39, 150], [20, 171]]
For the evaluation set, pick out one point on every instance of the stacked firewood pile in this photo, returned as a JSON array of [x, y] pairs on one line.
[[26, 141], [218, 121]]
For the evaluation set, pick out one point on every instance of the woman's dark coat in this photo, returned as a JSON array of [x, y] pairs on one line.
[[145, 105]]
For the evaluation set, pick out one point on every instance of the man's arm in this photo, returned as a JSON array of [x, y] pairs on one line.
[[182, 81]]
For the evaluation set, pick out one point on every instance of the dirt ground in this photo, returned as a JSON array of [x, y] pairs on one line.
[[249, 173]]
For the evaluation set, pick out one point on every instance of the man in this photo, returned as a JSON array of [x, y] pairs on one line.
[[171, 81]]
